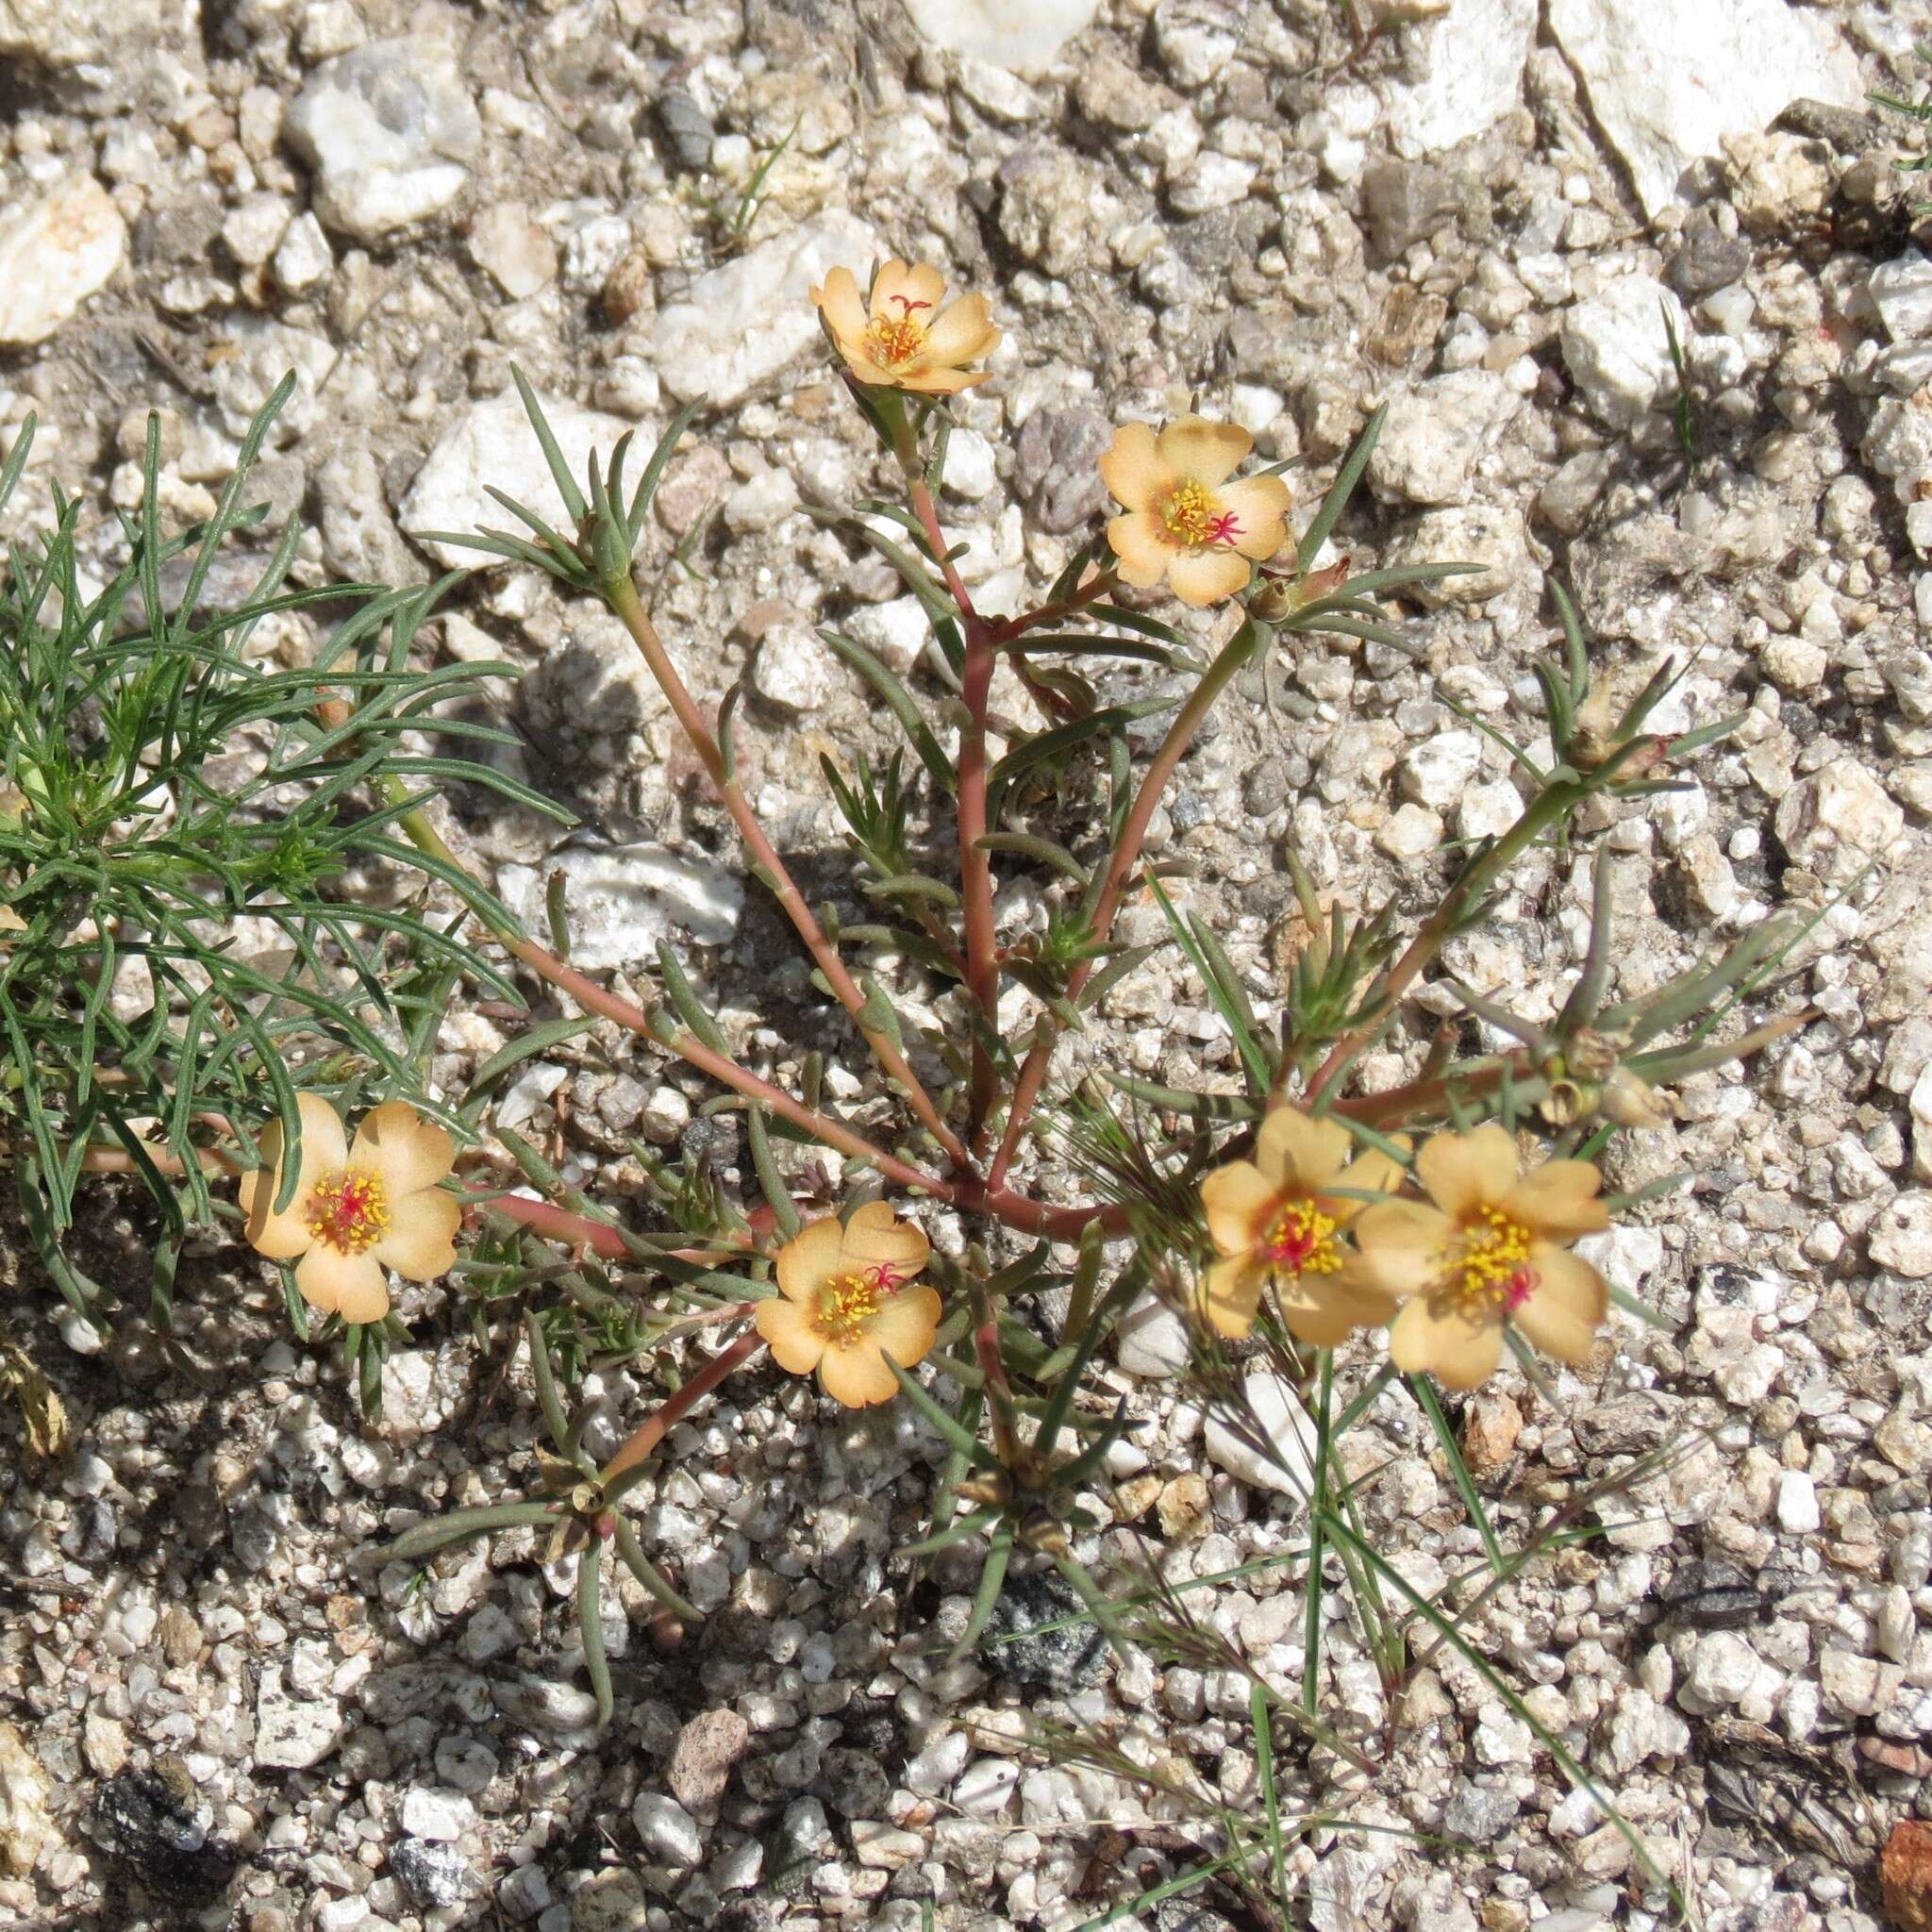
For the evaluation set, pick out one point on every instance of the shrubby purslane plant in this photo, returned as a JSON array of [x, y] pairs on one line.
[[1343, 1238]]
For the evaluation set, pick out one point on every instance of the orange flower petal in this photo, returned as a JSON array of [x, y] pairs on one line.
[[906, 1325], [1558, 1199], [1372, 1173], [420, 1240], [351, 1286], [325, 1152], [1568, 1307], [1260, 506], [1299, 1153], [1240, 1202], [1134, 470], [1464, 1172], [1229, 1293], [1402, 1245], [406, 1150], [963, 333], [809, 1260], [876, 1238], [1324, 1310], [842, 307], [788, 1330], [1432, 1334], [917, 286], [857, 1376], [939, 382], [1202, 451], [1140, 544], [1201, 577]]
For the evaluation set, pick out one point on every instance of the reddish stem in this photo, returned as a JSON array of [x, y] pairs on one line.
[[625, 601], [654, 1429], [975, 867]]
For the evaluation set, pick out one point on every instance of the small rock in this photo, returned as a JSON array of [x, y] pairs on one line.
[[1617, 351], [623, 899], [1277, 1419], [507, 245], [1838, 819], [1185, 1508], [389, 129], [1152, 1340], [669, 1832], [611, 1901], [1797, 1503], [492, 442], [1435, 432], [1648, 71], [434, 1876], [1902, 1235], [1438, 771], [1411, 832], [304, 256], [438, 1815], [1019, 1651], [293, 1734], [1491, 537], [1471, 60], [1489, 1430], [25, 1826], [708, 1748], [1905, 1875], [1724, 1668], [157, 1824], [792, 669], [56, 250], [1022, 36], [740, 324]]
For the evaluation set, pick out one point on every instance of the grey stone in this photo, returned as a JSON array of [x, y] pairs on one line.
[[390, 130], [1019, 1651], [1057, 465], [742, 323], [623, 899], [1023, 36], [1706, 256], [1667, 84], [1471, 60], [434, 1876], [1404, 201], [1617, 351], [492, 442]]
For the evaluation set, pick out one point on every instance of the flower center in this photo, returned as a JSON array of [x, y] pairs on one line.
[[1302, 1242], [1193, 518], [893, 340], [349, 1212], [849, 1301], [1489, 1272]]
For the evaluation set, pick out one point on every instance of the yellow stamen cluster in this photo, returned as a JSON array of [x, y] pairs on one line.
[[349, 1212], [894, 341], [1189, 513], [846, 1302], [1490, 1269], [1302, 1242]]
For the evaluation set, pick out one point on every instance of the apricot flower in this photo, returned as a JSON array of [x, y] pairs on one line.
[[1185, 520], [1279, 1217], [356, 1210], [846, 1302], [901, 339], [1491, 1245]]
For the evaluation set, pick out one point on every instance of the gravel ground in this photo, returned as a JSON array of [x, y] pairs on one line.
[[1482, 219]]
